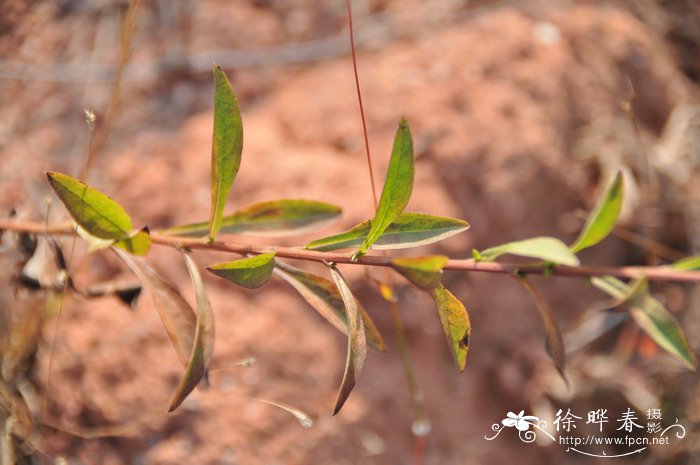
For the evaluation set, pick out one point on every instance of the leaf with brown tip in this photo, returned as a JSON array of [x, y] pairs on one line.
[[555, 342], [176, 314], [455, 323], [357, 344], [324, 297], [203, 347]]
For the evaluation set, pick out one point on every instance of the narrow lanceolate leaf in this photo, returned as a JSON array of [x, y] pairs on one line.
[[409, 230], [398, 186], [612, 286], [603, 217], [455, 323], [357, 344], [138, 243], [96, 213], [227, 146], [176, 314], [325, 298], [654, 319], [687, 264], [422, 272], [658, 323], [555, 342], [203, 346], [271, 218], [252, 272], [544, 248]]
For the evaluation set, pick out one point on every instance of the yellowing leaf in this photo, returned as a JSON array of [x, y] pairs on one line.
[[603, 217], [398, 186], [252, 272], [654, 319], [455, 323], [409, 230], [138, 243], [92, 210], [227, 146], [545, 248], [357, 345], [555, 342], [203, 346], [271, 218], [325, 298], [423, 272], [687, 264]]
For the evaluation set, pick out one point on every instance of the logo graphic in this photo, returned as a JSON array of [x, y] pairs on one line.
[[630, 432]]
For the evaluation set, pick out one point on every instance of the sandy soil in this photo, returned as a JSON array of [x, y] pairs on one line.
[[496, 97]]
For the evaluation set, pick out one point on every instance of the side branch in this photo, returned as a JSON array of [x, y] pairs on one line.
[[653, 273]]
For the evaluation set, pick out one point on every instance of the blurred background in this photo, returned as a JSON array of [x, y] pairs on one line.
[[521, 112]]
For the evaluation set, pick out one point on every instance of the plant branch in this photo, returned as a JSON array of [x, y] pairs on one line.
[[653, 273]]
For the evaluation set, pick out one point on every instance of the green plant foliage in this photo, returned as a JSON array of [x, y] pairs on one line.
[[544, 248], [138, 243], [203, 345], [397, 190], [409, 230], [325, 298], [176, 314], [603, 217], [455, 323], [423, 272], [654, 319], [357, 344], [611, 286], [271, 218], [227, 146], [92, 210], [687, 264], [555, 342], [252, 272], [98, 216]]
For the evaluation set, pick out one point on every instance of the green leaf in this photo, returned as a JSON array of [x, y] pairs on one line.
[[423, 272], [94, 243], [659, 324], [398, 186], [176, 314], [272, 218], [138, 243], [545, 248], [611, 286], [687, 264], [252, 272], [654, 319], [203, 346], [324, 297], [409, 230], [455, 323], [227, 146], [603, 217], [555, 342], [357, 344], [92, 210]]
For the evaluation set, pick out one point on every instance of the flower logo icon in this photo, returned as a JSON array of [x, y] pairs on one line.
[[520, 421]]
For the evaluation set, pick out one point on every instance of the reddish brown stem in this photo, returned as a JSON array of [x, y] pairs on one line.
[[362, 108], [653, 273]]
